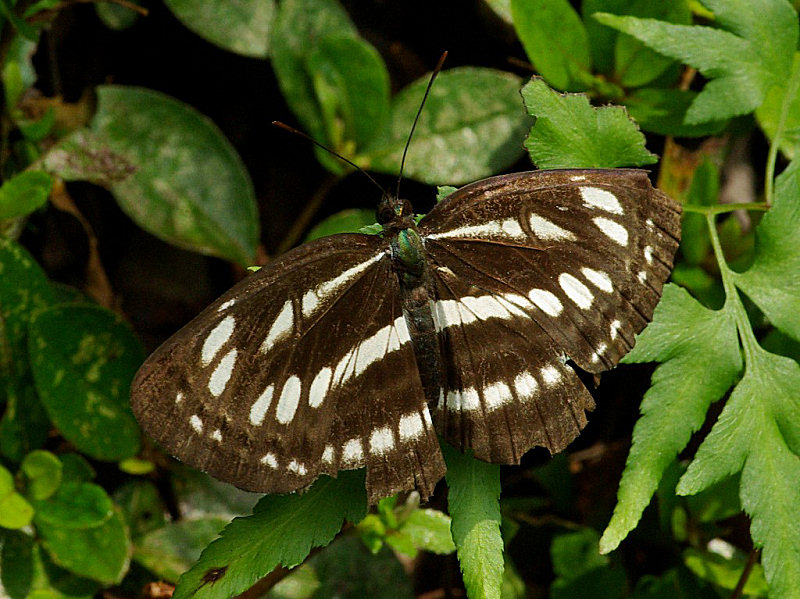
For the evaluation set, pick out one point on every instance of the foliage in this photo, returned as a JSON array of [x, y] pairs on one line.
[[87, 504]]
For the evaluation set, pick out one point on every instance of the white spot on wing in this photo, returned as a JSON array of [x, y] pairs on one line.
[[546, 302], [327, 455], [548, 230], [259, 408], [290, 397], [410, 426], [506, 229], [313, 297], [297, 468], [217, 435], [222, 373], [353, 451], [614, 329], [525, 385], [319, 387], [270, 460], [196, 423], [594, 197], [218, 337], [226, 305], [648, 254], [599, 279], [381, 440], [280, 328], [601, 349], [613, 230], [578, 178], [550, 375], [575, 290], [642, 276], [179, 397], [497, 395]]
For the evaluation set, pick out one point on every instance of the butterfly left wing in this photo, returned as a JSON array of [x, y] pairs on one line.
[[538, 268], [304, 368]]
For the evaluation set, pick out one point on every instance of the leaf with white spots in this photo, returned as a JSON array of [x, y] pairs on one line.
[[190, 187], [570, 133], [471, 127], [83, 359], [241, 27], [279, 532]]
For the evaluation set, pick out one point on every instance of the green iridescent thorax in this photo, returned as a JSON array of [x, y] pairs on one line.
[[408, 252]]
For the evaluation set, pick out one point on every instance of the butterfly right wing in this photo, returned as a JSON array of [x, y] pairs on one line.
[[283, 378]]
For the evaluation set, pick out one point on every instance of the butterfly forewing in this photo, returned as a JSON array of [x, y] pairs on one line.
[[539, 268], [268, 387]]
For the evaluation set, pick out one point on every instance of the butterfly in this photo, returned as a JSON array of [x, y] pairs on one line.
[[360, 350]]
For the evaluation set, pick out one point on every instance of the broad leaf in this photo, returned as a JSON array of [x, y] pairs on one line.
[[429, 530], [15, 511], [555, 41], [75, 505], [741, 63], [773, 281], [83, 359], [663, 111], [281, 531], [190, 187], [473, 503], [43, 471], [24, 193], [700, 359], [241, 27], [83, 156], [472, 127], [346, 221], [297, 23], [570, 133]]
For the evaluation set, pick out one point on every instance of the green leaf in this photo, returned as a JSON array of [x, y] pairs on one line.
[[346, 569], [43, 471], [472, 127], [83, 156], [83, 359], [575, 553], [76, 468], [554, 40], [99, 553], [142, 506], [442, 191], [241, 27], [725, 571], [24, 193], [18, 72], [346, 221], [198, 495], [75, 505], [429, 530], [570, 133], [741, 63], [171, 550], [773, 281], [351, 85], [136, 466], [116, 16], [191, 188], [15, 511], [36, 577], [473, 503], [663, 111], [280, 531], [758, 433], [769, 114], [16, 564], [704, 191], [25, 425], [700, 359], [298, 23]]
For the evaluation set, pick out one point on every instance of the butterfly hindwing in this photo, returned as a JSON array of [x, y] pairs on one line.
[[539, 268], [281, 378]]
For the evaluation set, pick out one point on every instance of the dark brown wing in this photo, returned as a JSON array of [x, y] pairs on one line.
[[538, 268], [302, 369]]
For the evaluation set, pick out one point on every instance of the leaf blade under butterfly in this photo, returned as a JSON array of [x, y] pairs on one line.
[[570, 133], [279, 532]]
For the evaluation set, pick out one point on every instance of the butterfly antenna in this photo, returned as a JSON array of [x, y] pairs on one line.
[[416, 118], [291, 129]]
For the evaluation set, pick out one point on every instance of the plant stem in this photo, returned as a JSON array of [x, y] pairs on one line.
[[723, 208], [748, 567]]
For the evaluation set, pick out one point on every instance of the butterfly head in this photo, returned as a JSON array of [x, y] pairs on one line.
[[395, 214]]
